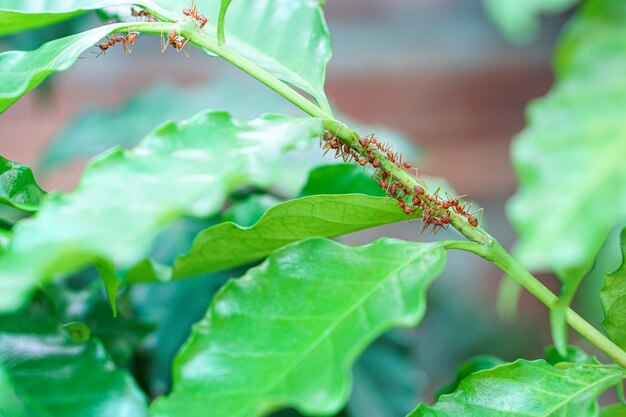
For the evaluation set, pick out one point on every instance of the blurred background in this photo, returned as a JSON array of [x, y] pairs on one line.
[[435, 71]]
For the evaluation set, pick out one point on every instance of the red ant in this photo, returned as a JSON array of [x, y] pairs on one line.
[[195, 14], [173, 38], [115, 39], [142, 13]]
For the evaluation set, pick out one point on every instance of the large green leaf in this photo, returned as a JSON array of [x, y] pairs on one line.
[[570, 158], [18, 187], [23, 71], [126, 197], [54, 375], [288, 38], [519, 19], [19, 15], [286, 333], [228, 245], [527, 388], [613, 297]]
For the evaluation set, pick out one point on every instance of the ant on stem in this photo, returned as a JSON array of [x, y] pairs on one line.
[[174, 39]]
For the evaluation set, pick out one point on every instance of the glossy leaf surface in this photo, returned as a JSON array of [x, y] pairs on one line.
[[228, 245], [18, 187], [613, 297], [126, 197], [519, 20], [55, 376], [527, 388], [570, 158], [287, 332], [23, 71]]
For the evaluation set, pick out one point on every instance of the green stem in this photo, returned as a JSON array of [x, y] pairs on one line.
[[481, 243], [498, 256]]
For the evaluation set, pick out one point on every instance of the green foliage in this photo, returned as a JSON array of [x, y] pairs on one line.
[[574, 141], [519, 19], [228, 245], [127, 197], [613, 297], [332, 300], [58, 376], [18, 188], [527, 388]]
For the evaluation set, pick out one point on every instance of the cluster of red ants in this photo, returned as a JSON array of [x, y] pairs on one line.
[[173, 38], [434, 210]]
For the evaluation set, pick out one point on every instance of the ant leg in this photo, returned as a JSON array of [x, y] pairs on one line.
[[164, 45]]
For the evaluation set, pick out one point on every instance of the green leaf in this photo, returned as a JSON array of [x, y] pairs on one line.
[[18, 188], [288, 38], [616, 410], [220, 23], [470, 366], [341, 179], [126, 197], [573, 354], [252, 354], [23, 71], [570, 158], [613, 297], [527, 388], [64, 378], [228, 245], [18, 15], [519, 20]]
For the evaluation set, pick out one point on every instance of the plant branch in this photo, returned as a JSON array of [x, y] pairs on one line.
[[481, 243], [498, 256]]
